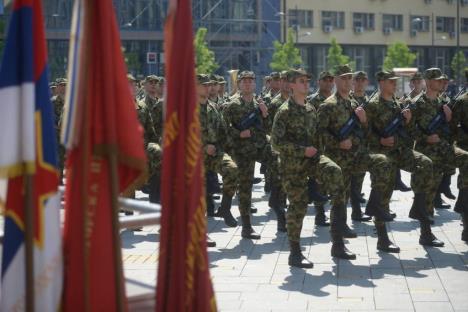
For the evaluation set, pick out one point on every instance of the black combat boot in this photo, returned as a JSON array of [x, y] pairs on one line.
[[210, 205], [399, 185], [275, 204], [418, 210], [155, 189], [444, 186], [439, 203], [356, 214], [339, 249], [464, 236], [383, 242], [210, 242], [313, 191], [224, 211], [347, 232], [247, 230], [320, 217], [296, 258], [374, 207], [427, 238]]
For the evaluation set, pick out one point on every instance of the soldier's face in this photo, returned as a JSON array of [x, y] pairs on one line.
[[360, 84], [61, 89], [275, 84], [202, 92], [434, 85], [247, 86], [221, 89], [284, 85], [388, 86], [326, 84], [417, 85], [300, 86], [344, 83], [214, 89]]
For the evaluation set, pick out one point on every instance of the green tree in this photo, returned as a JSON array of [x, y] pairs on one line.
[[204, 58], [398, 55], [458, 64], [336, 57], [286, 55], [133, 62]]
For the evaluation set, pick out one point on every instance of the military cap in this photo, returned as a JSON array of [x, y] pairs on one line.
[[130, 77], [246, 74], [417, 76], [343, 70], [267, 78], [203, 79], [445, 77], [275, 75], [220, 79], [284, 74], [386, 75], [433, 74], [213, 79], [360, 75], [52, 85], [152, 78], [325, 74], [60, 81], [292, 74], [162, 79]]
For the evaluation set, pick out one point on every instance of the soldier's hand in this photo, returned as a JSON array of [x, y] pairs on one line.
[[361, 113], [433, 139], [310, 151], [210, 149], [346, 144], [388, 142], [263, 108], [245, 134], [447, 112], [407, 115]]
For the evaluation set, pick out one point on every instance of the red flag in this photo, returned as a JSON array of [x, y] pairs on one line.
[[184, 282], [107, 156]]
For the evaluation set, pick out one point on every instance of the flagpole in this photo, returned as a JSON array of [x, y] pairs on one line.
[[118, 267], [29, 241]]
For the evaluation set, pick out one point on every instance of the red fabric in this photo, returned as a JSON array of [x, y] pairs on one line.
[[109, 125], [184, 282]]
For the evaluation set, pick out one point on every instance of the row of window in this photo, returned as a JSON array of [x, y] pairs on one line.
[[366, 21]]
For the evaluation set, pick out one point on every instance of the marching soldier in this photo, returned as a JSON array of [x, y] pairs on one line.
[[249, 144], [344, 142], [435, 141], [395, 142], [58, 102], [294, 136]]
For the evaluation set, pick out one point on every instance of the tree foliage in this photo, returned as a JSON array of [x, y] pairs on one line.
[[458, 64], [398, 55], [336, 57], [286, 55], [205, 62]]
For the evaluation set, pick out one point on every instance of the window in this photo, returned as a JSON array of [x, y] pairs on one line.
[[445, 24], [303, 18], [364, 20], [393, 21], [420, 57], [442, 59], [320, 59], [333, 18], [420, 23], [464, 24], [360, 56]]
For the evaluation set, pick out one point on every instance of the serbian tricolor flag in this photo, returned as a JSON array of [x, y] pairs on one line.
[[28, 152], [184, 282], [105, 157]]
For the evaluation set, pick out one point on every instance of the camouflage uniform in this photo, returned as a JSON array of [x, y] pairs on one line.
[[460, 121], [294, 129], [246, 151], [58, 103]]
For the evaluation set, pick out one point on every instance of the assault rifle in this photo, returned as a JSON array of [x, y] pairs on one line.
[[395, 126]]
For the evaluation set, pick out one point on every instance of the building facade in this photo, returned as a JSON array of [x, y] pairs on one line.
[[364, 29], [240, 32]]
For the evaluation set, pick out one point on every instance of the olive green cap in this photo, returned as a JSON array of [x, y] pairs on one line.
[[360, 75], [433, 74], [152, 78], [60, 81], [246, 74], [292, 74], [275, 75], [130, 77], [203, 79], [386, 75], [343, 70], [417, 76], [325, 74]]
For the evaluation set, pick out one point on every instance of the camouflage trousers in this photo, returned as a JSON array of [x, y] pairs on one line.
[[246, 166], [412, 161], [225, 166], [445, 158], [154, 153], [275, 176], [295, 176]]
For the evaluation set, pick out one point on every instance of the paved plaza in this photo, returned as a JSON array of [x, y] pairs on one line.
[[254, 275]]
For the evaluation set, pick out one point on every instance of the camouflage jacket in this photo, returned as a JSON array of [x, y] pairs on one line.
[[233, 114], [150, 113], [294, 129], [58, 104], [316, 99], [273, 108], [362, 100], [460, 120], [425, 110], [379, 115], [213, 128], [332, 115]]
